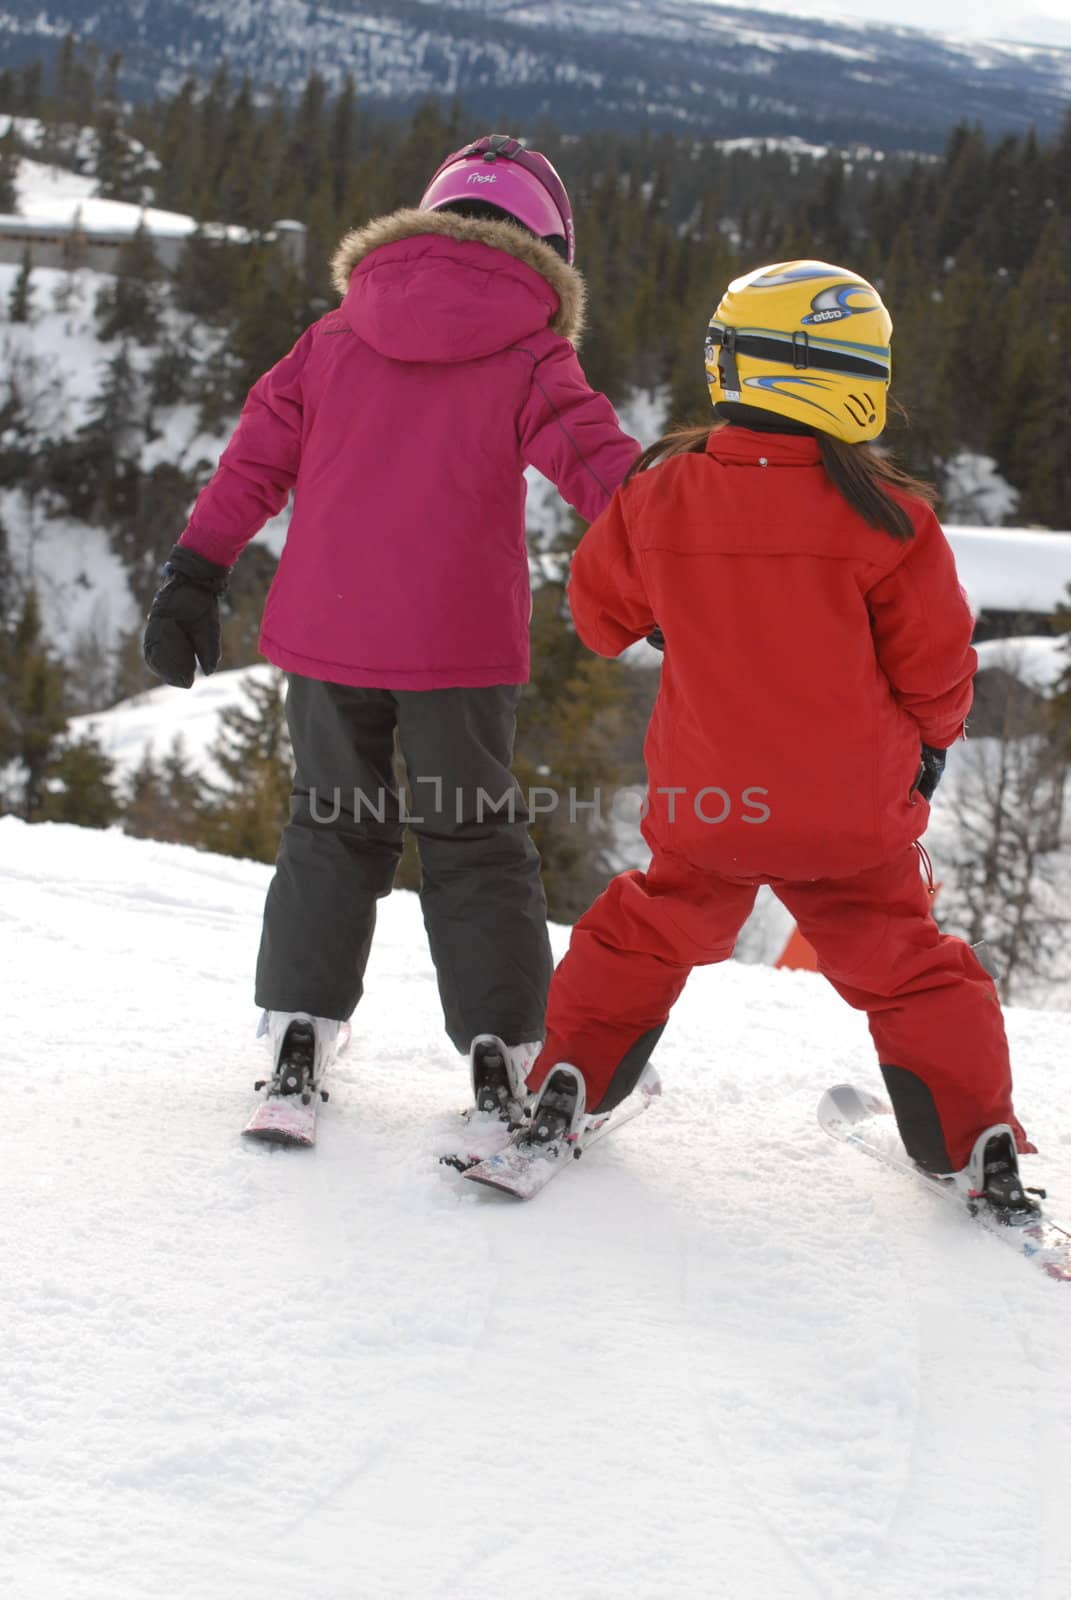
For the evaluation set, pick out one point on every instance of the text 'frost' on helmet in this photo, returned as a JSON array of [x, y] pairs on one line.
[[807, 341], [500, 172]]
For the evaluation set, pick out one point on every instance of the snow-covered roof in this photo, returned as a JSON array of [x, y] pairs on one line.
[[1038, 661], [1013, 569], [54, 198]]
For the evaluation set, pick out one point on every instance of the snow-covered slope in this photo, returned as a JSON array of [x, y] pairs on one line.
[[720, 69], [149, 724], [720, 1356]]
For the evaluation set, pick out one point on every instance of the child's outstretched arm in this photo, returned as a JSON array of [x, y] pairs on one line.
[[257, 470], [571, 433], [922, 628], [607, 596]]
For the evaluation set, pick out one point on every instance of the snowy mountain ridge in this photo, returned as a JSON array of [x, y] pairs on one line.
[[680, 64]]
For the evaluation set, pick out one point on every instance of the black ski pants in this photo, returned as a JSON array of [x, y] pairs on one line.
[[481, 894]]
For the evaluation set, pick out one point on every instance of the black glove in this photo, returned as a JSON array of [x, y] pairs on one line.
[[656, 638], [183, 626], [933, 765]]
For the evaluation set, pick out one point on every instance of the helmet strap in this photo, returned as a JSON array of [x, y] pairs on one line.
[[730, 377]]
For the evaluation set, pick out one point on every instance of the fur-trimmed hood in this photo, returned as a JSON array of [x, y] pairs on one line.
[[565, 281]]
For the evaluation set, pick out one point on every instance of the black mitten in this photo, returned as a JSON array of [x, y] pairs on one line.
[[183, 627], [933, 765]]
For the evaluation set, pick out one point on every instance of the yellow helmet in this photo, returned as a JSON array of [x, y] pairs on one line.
[[807, 341]]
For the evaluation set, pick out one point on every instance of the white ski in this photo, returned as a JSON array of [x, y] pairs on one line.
[[854, 1116], [290, 1119], [523, 1168]]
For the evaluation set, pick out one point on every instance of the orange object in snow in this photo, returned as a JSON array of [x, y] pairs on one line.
[[798, 954]]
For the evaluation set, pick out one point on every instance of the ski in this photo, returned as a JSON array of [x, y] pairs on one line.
[[284, 1119], [290, 1119], [856, 1117], [523, 1168]]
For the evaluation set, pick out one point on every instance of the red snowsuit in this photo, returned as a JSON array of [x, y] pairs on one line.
[[808, 656]]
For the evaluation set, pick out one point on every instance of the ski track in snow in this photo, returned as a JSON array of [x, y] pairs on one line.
[[721, 1356]]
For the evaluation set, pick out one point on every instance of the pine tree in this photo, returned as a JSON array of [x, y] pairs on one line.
[[74, 254], [130, 307], [63, 92], [341, 142], [309, 149], [32, 709], [8, 594], [207, 280], [1034, 397], [184, 793], [212, 107], [175, 139], [272, 314], [964, 189], [120, 165], [79, 785], [235, 195], [246, 815], [569, 727], [19, 303], [9, 167], [30, 99], [114, 413], [166, 799], [95, 471], [1059, 720]]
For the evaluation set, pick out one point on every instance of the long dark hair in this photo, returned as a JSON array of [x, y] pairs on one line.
[[858, 471]]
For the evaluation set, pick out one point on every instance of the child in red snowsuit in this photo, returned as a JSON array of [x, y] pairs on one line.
[[817, 665]]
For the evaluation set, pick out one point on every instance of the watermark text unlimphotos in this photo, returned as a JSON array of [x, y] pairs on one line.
[[710, 805]]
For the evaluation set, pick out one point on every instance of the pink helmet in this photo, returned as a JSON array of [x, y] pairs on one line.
[[499, 171]]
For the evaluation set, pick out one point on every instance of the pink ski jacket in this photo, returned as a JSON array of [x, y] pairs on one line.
[[403, 422]]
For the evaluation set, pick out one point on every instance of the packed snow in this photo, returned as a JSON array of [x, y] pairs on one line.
[[720, 1356]]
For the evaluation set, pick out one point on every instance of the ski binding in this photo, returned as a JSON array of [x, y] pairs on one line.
[[526, 1165], [856, 1117]]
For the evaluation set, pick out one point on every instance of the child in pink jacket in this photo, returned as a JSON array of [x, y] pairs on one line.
[[403, 422]]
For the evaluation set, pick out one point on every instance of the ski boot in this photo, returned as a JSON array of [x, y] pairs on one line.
[[556, 1120], [303, 1048], [991, 1179], [498, 1077]]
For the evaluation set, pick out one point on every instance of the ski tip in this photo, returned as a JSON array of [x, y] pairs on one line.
[[499, 1185], [276, 1121], [278, 1136], [845, 1103]]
